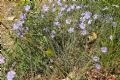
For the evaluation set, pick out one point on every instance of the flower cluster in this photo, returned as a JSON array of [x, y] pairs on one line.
[[96, 59], [18, 26], [11, 74], [85, 16], [68, 22]]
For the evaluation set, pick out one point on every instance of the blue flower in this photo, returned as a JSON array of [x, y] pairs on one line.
[[2, 59], [82, 19], [68, 21], [56, 23], [89, 21], [86, 15], [73, 6], [60, 14], [82, 25], [20, 34], [15, 26], [104, 49], [68, 9], [27, 8], [97, 66], [71, 30], [83, 32], [18, 25], [10, 75], [59, 3], [23, 16], [96, 58]]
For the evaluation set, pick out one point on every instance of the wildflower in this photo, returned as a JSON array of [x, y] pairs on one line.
[[10, 75], [56, 23], [104, 49], [59, 3], [96, 58], [83, 32], [68, 21], [18, 25], [53, 34], [97, 66], [2, 59], [73, 7], [60, 14], [89, 21], [19, 34], [45, 8], [15, 26], [27, 8], [82, 19], [23, 16], [81, 5], [82, 25], [86, 15], [68, 9], [78, 7], [111, 37], [114, 24], [71, 30]]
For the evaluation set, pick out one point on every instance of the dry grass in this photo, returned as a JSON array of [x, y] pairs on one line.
[[6, 18]]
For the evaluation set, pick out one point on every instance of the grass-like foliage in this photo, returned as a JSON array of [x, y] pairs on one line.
[[64, 39]]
